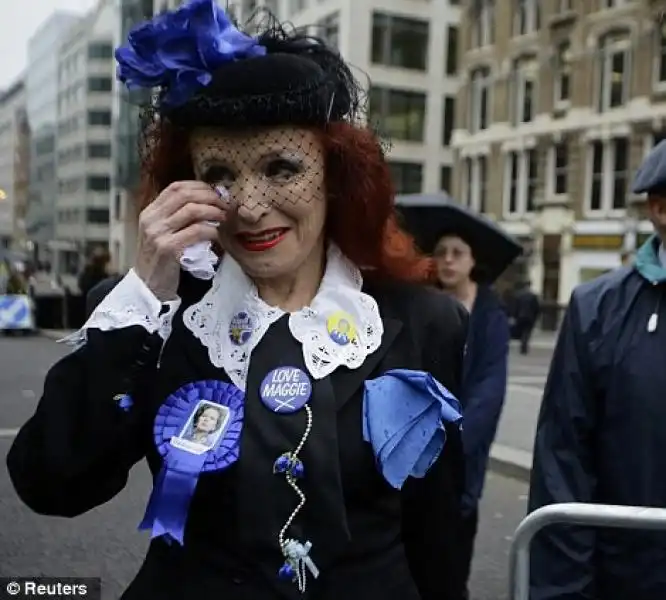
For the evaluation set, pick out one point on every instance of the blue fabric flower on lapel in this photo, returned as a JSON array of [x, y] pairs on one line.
[[179, 50], [403, 411]]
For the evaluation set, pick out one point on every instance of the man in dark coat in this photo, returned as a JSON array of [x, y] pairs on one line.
[[526, 309], [601, 435]]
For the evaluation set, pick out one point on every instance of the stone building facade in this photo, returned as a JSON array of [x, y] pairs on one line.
[[559, 103]]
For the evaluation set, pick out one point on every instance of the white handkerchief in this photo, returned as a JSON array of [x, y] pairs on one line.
[[199, 259]]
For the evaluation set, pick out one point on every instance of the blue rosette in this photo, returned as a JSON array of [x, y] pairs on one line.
[[403, 416], [183, 459]]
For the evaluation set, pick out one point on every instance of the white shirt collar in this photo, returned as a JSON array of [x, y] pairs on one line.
[[233, 296]]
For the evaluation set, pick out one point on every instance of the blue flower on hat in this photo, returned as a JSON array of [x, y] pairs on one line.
[[179, 50]]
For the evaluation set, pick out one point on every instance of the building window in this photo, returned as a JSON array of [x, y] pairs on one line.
[[407, 177], [452, 51], [526, 17], [524, 90], [100, 50], [97, 216], [613, 71], [660, 55], [608, 175], [521, 181], [448, 119], [98, 183], [483, 24], [476, 183], [560, 168], [397, 113], [100, 84], [479, 99], [563, 80], [445, 174], [329, 30], [99, 150], [99, 118], [399, 42]]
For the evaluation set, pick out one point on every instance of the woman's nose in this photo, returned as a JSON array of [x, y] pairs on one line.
[[253, 202]]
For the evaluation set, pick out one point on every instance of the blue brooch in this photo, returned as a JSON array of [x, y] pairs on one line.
[[124, 402], [196, 430]]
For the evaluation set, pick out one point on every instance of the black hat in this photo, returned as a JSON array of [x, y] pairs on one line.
[[215, 75], [430, 217], [651, 175]]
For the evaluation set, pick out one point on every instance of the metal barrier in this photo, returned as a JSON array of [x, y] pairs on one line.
[[594, 515]]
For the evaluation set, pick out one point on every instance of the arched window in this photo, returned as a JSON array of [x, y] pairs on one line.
[[614, 70], [483, 23], [479, 99], [526, 17], [524, 89], [660, 55], [563, 75]]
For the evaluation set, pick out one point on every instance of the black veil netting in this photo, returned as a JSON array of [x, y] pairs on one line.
[[301, 80]]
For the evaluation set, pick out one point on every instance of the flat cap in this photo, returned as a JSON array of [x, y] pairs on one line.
[[651, 175]]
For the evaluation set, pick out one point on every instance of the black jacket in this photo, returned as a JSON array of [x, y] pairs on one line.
[[75, 453]]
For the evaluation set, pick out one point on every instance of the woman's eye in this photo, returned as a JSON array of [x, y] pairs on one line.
[[218, 175], [282, 169]]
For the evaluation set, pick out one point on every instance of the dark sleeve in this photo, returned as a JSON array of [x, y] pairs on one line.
[[99, 292], [563, 468], [76, 451], [484, 395], [431, 506]]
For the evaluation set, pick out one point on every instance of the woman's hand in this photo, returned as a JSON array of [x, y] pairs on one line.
[[180, 216]]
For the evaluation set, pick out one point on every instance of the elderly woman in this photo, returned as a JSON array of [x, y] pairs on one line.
[[272, 279]]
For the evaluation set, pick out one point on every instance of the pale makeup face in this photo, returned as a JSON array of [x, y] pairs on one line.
[[454, 261], [277, 197]]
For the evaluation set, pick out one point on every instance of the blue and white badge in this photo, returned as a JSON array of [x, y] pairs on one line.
[[241, 328], [285, 390]]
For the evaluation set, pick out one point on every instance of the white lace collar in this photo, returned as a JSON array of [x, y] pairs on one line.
[[230, 320]]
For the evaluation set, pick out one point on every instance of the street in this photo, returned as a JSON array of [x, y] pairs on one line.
[[106, 543]]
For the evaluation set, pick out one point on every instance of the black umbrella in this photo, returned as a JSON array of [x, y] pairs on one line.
[[428, 217]]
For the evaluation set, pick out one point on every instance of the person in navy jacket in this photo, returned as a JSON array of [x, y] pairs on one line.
[[470, 255], [601, 433]]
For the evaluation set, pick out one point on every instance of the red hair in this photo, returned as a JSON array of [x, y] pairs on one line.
[[361, 216]]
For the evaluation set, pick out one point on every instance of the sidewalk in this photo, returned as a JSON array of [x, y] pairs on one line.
[[542, 340], [510, 462]]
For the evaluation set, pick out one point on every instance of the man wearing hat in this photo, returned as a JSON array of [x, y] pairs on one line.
[[601, 434]]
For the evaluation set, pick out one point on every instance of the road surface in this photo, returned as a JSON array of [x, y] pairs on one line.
[[106, 543]]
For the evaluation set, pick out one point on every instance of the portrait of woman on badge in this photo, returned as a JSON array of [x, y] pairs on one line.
[[204, 428]]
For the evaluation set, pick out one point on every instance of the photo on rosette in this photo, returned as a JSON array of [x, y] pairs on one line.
[[203, 428]]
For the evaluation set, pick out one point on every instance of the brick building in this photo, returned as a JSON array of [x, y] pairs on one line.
[[559, 102]]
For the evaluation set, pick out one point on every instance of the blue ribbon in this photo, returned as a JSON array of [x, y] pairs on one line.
[[176, 482], [172, 493]]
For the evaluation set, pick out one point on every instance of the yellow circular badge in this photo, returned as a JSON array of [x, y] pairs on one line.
[[341, 328]]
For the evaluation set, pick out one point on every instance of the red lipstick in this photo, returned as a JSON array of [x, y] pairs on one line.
[[261, 240]]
